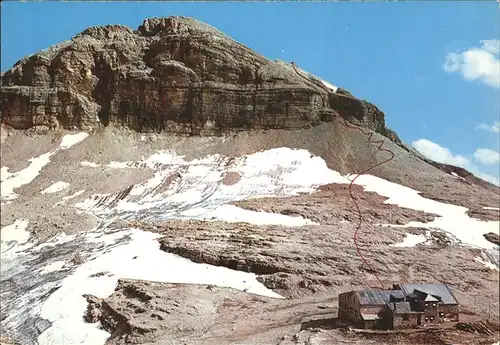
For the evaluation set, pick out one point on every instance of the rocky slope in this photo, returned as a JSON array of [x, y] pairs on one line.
[[173, 74], [308, 264], [147, 311]]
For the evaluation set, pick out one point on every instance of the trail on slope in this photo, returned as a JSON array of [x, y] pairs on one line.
[[378, 144]]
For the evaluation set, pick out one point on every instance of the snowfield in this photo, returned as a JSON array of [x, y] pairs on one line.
[[15, 180], [56, 187], [179, 189], [138, 258], [411, 240], [194, 189], [453, 219], [109, 255], [15, 233], [25, 176], [69, 197]]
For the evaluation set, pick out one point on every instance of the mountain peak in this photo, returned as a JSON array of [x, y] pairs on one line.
[[174, 74], [175, 25]]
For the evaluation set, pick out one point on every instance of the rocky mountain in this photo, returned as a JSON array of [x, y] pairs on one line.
[[168, 185], [174, 75]]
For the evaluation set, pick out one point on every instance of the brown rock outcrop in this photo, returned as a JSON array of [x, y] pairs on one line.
[[173, 74], [493, 238], [140, 312]]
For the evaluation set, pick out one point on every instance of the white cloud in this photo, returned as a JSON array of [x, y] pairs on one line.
[[487, 156], [487, 177], [492, 46], [495, 127], [441, 154], [478, 63]]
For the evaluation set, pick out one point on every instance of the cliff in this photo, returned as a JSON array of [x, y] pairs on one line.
[[172, 74]]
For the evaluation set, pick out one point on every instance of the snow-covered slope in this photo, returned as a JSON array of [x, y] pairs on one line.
[[40, 280]]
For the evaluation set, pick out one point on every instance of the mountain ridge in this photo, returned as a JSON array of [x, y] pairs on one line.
[[172, 74], [156, 79]]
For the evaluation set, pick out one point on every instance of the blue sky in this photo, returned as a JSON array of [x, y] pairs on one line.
[[432, 67]]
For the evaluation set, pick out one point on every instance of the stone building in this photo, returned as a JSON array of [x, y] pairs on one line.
[[404, 306]]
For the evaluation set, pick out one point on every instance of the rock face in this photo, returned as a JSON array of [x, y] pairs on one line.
[[173, 74]]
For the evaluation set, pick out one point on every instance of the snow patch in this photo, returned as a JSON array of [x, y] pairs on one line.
[[119, 165], [22, 177], [181, 189], [138, 258], [233, 214], [56, 187], [309, 75], [4, 173], [15, 232], [11, 181], [72, 139], [492, 208], [69, 197], [52, 267], [330, 86], [74, 195], [452, 219], [324, 82], [410, 240], [486, 263], [89, 164], [457, 176], [114, 164]]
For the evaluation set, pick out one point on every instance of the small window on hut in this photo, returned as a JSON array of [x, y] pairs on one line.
[[406, 317]]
